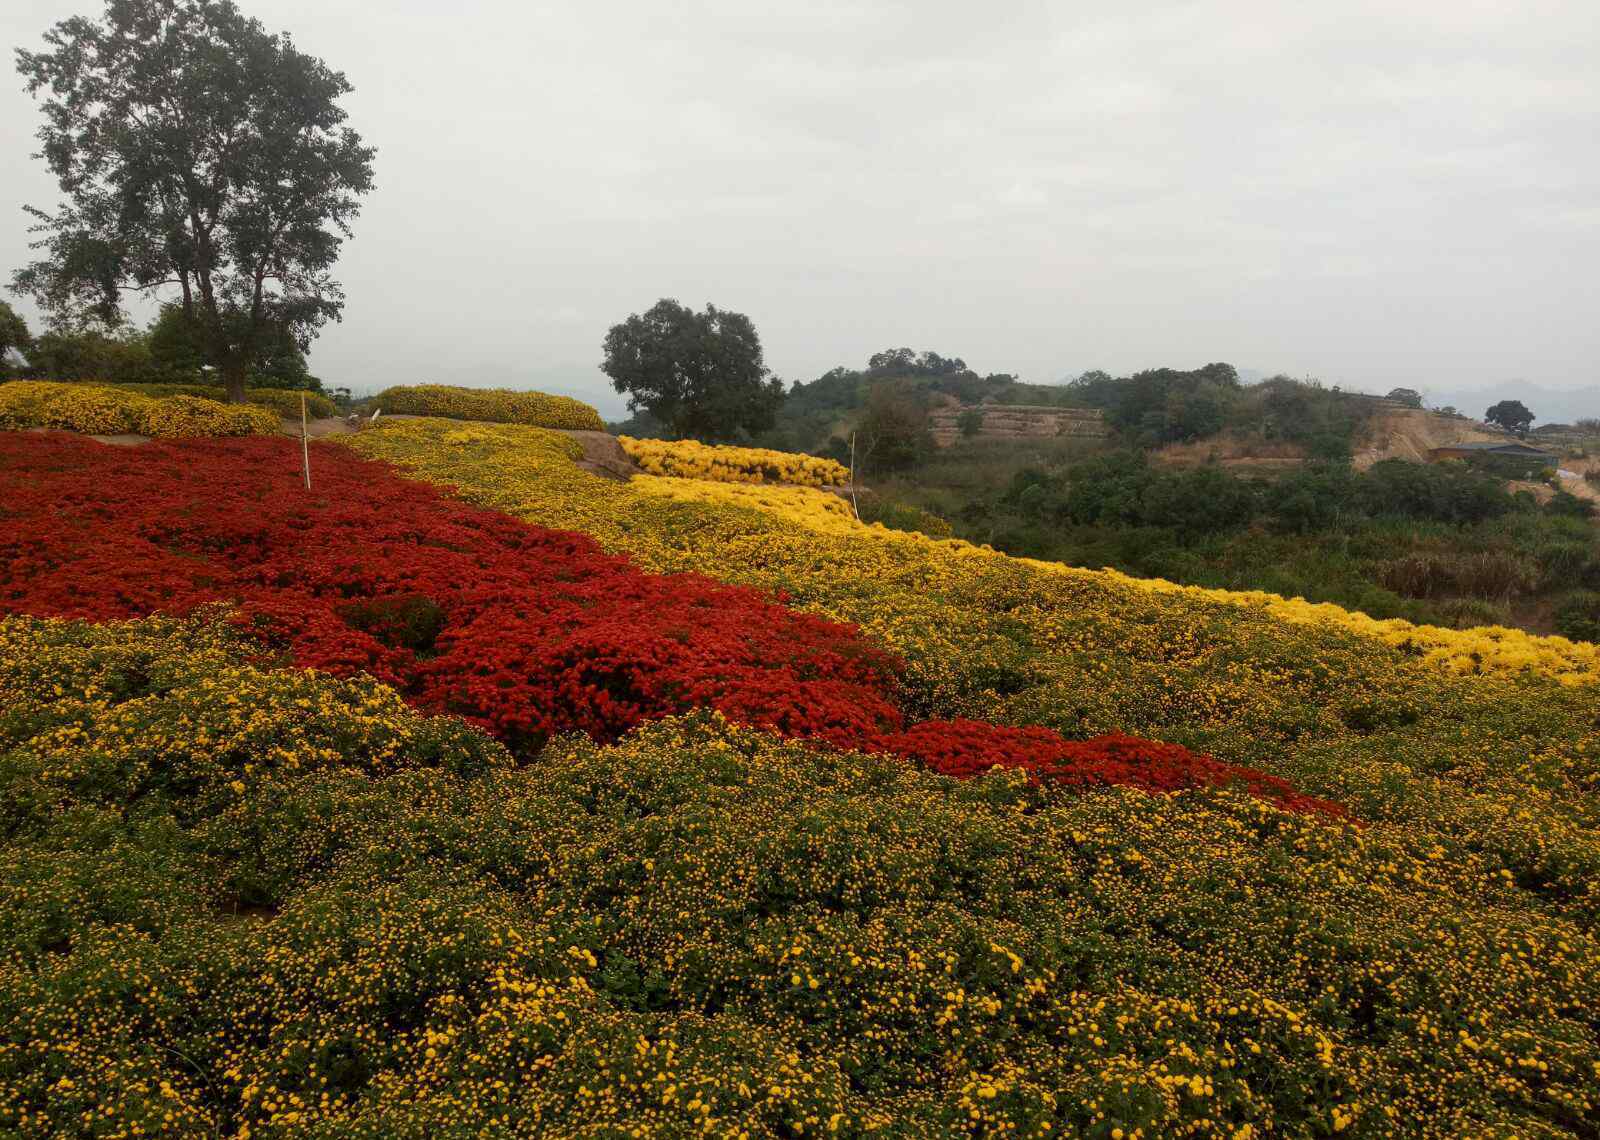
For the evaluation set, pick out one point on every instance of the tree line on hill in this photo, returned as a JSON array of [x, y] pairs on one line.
[[169, 350]]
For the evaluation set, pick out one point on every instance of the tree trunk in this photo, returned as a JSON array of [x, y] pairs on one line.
[[233, 380]]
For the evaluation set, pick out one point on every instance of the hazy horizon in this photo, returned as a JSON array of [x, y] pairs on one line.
[[1370, 194]]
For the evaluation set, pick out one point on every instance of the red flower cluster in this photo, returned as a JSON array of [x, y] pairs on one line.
[[523, 630], [965, 748]]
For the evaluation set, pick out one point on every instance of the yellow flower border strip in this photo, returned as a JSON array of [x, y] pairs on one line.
[[691, 459], [491, 405], [1481, 649], [101, 409]]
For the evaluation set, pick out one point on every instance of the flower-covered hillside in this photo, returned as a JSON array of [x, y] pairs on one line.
[[690, 459], [248, 902], [549, 842], [1497, 764]]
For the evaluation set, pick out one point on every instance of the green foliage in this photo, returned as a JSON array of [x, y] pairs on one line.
[[162, 355], [894, 432], [900, 516], [1578, 615], [88, 354], [1510, 466], [1513, 415], [1433, 491], [700, 374], [196, 150], [817, 418], [1164, 405], [1443, 544], [14, 336], [1566, 503]]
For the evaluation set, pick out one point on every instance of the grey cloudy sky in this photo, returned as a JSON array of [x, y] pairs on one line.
[[1376, 193]]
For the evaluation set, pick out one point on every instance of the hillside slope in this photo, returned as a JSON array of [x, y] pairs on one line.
[[1408, 433], [674, 883]]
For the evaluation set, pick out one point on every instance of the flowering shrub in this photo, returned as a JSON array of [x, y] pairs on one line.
[[285, 401], [526, 632], [179, 416], [822, 510], [336, 916], [494, 405], [97, 409], [91, 409], [690, 459]]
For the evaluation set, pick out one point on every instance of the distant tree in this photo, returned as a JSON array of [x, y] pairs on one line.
[[1162, 405], [896, 362], [1512, 415], [700, 374], [197, 151], [122, 357], [970, 422], [13, 335], [1410, 397], [894, 432]]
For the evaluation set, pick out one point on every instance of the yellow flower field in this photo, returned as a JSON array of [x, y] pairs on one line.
[[98, 409], [690, 459]]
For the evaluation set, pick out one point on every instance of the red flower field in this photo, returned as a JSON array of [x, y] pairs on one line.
[[525, 631]]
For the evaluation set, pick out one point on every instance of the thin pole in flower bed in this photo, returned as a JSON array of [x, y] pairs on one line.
[[853, 508], [305, 447]]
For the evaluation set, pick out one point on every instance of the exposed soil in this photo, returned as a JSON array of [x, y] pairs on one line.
[[1408, 433], [316, 429], [603, 455], [1230, 450]]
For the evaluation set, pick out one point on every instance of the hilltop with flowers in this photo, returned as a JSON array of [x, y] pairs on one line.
[[478, 792]]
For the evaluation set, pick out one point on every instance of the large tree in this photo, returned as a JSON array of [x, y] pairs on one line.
[[699, 374], [201, 157], [1513, 415]]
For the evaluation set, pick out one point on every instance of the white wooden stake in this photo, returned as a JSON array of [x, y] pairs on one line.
[[853, 506], [305, 448]]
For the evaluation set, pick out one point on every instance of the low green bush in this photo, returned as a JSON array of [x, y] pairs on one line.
[[1578, 615]]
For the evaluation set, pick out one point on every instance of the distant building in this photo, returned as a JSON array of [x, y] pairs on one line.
[[1512, 448]]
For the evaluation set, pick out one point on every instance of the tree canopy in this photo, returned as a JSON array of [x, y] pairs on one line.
[[1513, 415], [701, 374], [197, 152]]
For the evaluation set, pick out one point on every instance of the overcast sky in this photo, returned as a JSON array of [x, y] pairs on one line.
[[1375, 193]]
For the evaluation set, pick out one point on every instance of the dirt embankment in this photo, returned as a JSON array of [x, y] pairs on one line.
[[1391, 433], [1409, 433]]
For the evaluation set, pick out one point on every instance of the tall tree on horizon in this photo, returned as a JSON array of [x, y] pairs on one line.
[[701, 374], [1513, 415], [198, 152]]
